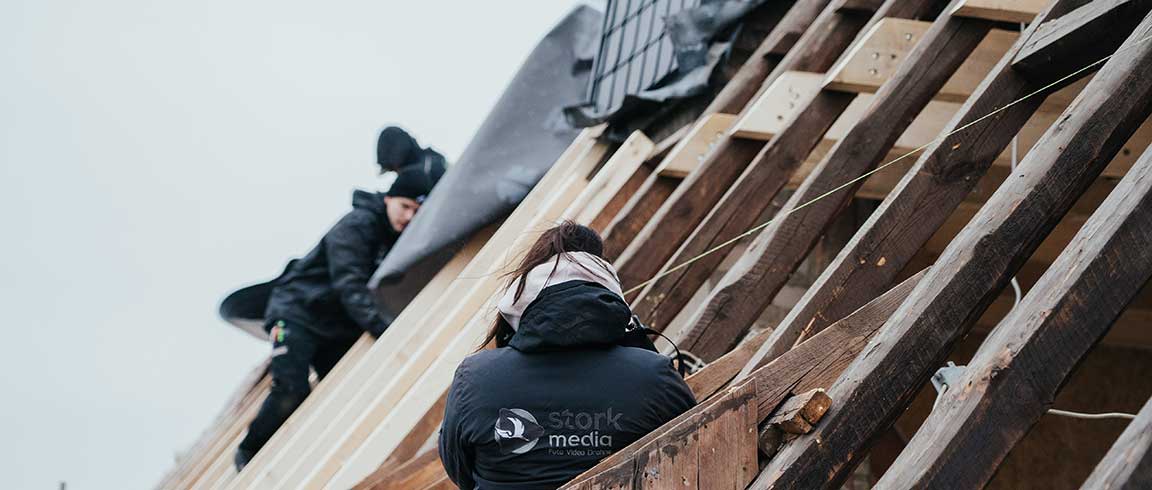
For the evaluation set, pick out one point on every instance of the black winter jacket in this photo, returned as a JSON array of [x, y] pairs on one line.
[[562, 396], [327, 290]]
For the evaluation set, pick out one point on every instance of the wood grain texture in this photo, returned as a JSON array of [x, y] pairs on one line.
[[1001, 10], [778, 249], [662, 234], [920, 203], [1015, 375], [814, 364], [971, 272]]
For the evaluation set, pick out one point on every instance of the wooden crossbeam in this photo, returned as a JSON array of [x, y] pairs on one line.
[[640, 255], [921, 202], [683, 158], [799, 413], [815, 364], [1036, 347], [877, 57], [1001, 10], [972, 271], [687, 231], [760, 66], [1128, 464], [778, 249], [1066, 42]]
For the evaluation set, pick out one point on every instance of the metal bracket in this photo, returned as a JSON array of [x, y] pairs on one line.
[[947, 376]]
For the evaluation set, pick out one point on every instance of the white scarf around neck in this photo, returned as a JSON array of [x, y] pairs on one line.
[[567, 266]]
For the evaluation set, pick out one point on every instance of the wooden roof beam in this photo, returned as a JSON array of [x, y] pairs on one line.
[[877, 387], [941, 178], [641, 256], [816, 364], [1071, 41], [778, 249], [727, 194], [649, 198], [1019, 369], [1128, 464]]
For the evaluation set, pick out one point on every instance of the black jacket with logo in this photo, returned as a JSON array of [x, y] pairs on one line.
[[562, 396], [327, 290]]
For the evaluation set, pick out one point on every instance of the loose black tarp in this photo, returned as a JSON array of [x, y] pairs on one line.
[[701, 40], [518, 142]]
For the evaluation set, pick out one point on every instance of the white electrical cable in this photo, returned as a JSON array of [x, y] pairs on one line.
[[1015, 283], [1078, 415]]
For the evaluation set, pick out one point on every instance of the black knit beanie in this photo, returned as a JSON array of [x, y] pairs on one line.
[[416, 181], [396, 149]]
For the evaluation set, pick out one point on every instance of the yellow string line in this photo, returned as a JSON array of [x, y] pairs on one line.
[[865, 175]]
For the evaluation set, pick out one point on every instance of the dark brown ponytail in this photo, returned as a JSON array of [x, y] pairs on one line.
[[568, 236]]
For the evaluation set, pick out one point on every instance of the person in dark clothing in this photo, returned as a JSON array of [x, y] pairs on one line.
[[567, 385], [321, 303]]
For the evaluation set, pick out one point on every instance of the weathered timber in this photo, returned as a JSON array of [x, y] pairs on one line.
[[799, 413], [877, 387], [1070, 41], [751, 283], [752, 194], [921, 202], [640, 209], [662, 234], [816, 364], [1128, 464], [1015, 375], [716, 375], [745, 200]]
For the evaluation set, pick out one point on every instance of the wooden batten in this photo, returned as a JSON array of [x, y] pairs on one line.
[[884, 48], [1001, 10], [686, 156]]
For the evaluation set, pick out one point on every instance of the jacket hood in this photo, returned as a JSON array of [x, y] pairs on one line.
[[571, 315], [371, 201]]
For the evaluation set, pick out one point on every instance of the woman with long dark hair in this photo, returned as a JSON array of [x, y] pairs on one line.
[[569, 381]]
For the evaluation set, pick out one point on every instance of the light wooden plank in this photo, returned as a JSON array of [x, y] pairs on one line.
[[1001, 10], [690, 151], [884, 48], [330, 420]]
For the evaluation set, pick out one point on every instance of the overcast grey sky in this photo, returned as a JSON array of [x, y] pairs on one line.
[[156, 155]]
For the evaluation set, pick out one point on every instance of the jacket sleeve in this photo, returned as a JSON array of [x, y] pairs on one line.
[[351, 246], [456, 452]]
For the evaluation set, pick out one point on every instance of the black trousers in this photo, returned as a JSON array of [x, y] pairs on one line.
[[294, 350]]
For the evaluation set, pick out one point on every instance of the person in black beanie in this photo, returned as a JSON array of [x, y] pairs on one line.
[[321, 303]]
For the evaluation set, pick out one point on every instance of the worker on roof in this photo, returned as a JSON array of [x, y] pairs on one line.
[[321, 303], [570, 382]]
